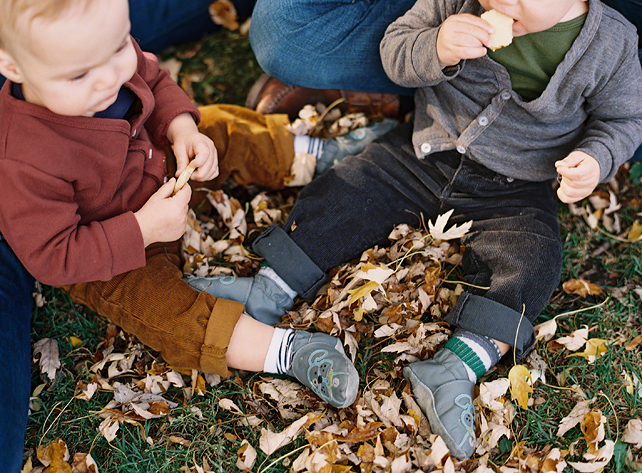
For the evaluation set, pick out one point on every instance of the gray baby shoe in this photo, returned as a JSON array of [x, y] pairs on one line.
[[319, 362], [263, 298], [335, 149], [445, 394]]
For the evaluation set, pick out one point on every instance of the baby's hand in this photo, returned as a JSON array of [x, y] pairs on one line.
[[462, 36], [163, 217], [580, 175], [189, 142]]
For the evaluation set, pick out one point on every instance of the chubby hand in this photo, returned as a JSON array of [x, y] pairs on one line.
[[462, 36], [580, 175], [189, 142], [164, 216]]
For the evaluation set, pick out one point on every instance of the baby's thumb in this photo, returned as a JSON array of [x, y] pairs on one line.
[[167, 189]]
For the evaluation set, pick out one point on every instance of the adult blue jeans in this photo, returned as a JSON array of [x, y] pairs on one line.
[[16, 301], [325, 44], [157, 24], [513, 252]]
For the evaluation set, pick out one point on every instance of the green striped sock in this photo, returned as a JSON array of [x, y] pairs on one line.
[[478, 352]]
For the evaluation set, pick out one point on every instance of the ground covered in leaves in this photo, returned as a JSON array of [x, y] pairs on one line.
[[103, 402]]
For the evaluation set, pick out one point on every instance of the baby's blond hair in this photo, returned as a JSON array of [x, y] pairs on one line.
[[22, 12]]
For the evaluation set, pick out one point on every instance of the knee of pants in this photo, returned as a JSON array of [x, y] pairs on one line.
[[288, 37], [521, 273]]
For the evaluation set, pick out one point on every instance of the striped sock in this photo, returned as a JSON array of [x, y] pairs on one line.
[[478, 352], [279, 353], [308, 144]]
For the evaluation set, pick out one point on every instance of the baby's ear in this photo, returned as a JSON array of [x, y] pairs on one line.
[[8, 67]]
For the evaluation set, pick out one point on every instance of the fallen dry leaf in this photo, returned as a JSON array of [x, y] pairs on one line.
[[595, 348], [46, 352], [83, 463], [581, 287], [519, 387], [437, 231], [546, 330], [54, 456], [270, 442], [592, 427], [601, 459], [575, 416], [633, 433], [224, 13], [246, 456], [576, 340]]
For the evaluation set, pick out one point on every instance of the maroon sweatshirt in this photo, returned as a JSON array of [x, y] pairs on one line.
[[69, 186]]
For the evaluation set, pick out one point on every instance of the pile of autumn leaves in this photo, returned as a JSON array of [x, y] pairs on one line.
[[391, 303], [393, 297]]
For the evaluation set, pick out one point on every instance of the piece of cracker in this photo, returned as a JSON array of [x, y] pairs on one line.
[[503, 26], [183, 178]]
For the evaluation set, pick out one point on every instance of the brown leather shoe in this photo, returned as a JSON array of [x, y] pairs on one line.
[[269, 95]]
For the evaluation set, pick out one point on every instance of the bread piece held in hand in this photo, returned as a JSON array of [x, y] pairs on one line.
[[503, 26], [183, 178]]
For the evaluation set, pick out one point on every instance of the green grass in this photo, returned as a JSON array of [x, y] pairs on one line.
[[221, 69]]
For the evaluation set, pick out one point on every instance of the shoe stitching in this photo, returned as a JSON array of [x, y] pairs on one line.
[[279, 96], [467, 418]]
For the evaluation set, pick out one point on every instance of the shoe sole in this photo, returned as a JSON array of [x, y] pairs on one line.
[[253, 96], [436, 425]]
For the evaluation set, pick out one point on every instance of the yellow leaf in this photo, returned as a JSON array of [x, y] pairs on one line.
[[519, 388], [75, 341], [581, 287], [592, 427], [362, 291], [629, 382], [54, 456], [595, 348], [635, 232]]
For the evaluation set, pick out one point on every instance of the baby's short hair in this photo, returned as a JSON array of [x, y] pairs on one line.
[[12, 10]]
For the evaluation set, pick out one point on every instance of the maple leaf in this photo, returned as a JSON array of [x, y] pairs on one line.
[[47, 348], [519, 388], [633, 433], [54, 456], [437, 230]]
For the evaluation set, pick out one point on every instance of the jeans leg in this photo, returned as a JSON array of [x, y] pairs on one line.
[[16, 301], [325, 44], [352, 207], [513, 255], [157, 24]]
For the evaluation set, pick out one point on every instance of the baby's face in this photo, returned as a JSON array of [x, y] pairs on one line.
[[77, 63], [532, 16]]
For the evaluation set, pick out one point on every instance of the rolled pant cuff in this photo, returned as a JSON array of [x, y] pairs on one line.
[[289, 261], [218, 334], [484, 316]]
